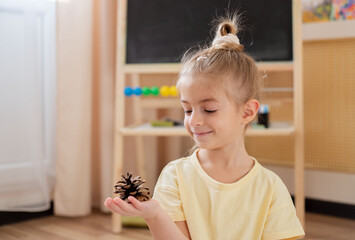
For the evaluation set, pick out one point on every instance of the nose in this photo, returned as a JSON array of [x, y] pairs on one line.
[[196, 119]]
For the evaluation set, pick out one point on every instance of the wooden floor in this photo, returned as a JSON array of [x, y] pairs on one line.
[[97, 226]]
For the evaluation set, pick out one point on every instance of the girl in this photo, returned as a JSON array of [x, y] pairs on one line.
[[219, 192]]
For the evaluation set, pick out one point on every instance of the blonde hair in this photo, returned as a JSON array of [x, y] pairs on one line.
[[225, 60]]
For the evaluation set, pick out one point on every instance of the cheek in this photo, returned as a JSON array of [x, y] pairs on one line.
[[187, 126], [186, 122]]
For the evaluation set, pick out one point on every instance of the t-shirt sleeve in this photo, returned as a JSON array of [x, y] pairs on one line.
[[282, 221], [167, 193]]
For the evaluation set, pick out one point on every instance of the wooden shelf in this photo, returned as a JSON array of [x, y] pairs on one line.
[[285, 66], [329, 30], [135, 72], [148, 130], [151, 102], [176, 67], [286, 131], [168, 103], [152, 68]]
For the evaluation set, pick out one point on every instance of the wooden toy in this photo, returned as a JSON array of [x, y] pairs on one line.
[[165, 91]]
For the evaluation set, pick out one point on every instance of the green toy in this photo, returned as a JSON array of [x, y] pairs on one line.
[[154, 91], [146, 91]]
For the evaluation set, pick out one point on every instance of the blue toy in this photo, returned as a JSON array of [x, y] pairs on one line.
[[137, 91], [128, 91]]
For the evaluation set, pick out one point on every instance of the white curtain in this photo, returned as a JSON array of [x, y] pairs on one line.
[[27, 104], [72, 195]]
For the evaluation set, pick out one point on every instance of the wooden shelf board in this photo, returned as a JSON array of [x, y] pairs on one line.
[[276, 66], [166, 103], [328, 30], [176, 67], [152, 68], [147, 130], [151, 102], [288, 131]]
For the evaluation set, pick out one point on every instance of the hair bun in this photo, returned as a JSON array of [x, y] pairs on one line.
[[227, 28], [226, 37]]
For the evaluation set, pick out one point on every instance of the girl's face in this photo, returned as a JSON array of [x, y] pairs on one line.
[[211, 118]]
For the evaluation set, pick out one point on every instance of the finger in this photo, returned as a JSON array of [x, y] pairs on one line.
[[135, 202], [110, 204], [126, 207], [107, 201]]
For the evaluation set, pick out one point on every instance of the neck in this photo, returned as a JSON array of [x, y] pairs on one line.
[[233, 155]]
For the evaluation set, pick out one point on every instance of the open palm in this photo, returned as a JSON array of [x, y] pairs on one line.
[[147, 209]]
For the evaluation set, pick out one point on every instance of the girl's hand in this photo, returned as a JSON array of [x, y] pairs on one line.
[[148, 209]]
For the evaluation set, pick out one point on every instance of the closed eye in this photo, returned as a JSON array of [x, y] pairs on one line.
[[210, 111], [188, 111]]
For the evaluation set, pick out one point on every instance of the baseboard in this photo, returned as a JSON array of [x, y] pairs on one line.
[[330, 208], [13, 217]]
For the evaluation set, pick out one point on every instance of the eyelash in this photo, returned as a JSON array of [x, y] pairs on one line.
[[207, 111], [210, 111]]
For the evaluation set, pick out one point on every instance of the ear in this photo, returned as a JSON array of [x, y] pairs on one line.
[[250, 110]]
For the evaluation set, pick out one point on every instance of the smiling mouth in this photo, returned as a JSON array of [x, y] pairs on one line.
[[201, 134]]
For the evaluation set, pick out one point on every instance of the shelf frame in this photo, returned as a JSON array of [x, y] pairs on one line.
[[121, 130], [147, 130], [174, 68]]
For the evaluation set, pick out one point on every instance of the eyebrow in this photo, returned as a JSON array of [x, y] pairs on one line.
[[202, 101]]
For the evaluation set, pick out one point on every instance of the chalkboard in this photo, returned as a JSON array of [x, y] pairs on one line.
[[160, 31]]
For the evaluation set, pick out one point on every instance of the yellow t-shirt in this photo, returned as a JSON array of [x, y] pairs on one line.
[[258, 206]]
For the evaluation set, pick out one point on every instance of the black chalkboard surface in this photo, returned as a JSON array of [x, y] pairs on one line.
[[160, 31]]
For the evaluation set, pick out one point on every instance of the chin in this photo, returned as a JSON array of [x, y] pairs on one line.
[[206, 145]]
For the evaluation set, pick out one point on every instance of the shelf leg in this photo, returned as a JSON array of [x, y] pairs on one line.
[[117, 170], [140, 157]]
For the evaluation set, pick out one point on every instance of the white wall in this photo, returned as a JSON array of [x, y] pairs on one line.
[[321, 185]]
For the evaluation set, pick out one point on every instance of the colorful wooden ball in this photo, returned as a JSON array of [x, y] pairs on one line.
[[137, 91], [146, 91], [173, 91], [155, 91], [128, 91], [165, 91]]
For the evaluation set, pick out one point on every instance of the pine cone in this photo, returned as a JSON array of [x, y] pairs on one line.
[[127, 187]]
